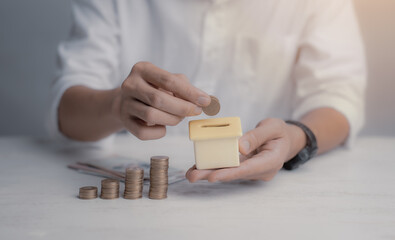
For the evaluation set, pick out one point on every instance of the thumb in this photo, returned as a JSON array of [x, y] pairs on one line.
[[265, 131]]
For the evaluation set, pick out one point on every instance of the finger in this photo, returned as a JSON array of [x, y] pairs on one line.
[[142, 131], [164, 101], [263, 177], [266, 130], [150, 115], [256, 165], [175, 83], [189, 170], [165, 91], [245, 157], [196, 175]]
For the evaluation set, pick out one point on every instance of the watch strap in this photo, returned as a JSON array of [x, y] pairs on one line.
[[307, 152]]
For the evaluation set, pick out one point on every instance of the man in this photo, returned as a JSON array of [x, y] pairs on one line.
[[266, 60]]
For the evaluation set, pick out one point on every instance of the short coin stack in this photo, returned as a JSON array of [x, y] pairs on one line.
[[88, 192], [109, 189], [134, 179], [158, 177]]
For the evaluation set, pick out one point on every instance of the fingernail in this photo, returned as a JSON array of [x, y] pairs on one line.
[[203, 101], [198, 110], [245, 145]]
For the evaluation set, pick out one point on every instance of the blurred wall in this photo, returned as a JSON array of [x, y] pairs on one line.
[[377, 18], [29, 34], [31, 30]]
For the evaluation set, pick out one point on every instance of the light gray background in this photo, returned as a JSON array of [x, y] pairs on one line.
[[31, 30]]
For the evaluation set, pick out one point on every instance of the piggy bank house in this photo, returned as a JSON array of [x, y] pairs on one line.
[[216, 142]]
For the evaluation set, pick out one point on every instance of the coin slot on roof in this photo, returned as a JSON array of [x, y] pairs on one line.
[[216, 125]]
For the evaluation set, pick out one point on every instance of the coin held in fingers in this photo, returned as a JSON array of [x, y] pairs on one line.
[[213, 108]]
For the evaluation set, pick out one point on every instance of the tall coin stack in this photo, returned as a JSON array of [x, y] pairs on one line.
[[158, 177], [134, 180], [109, 189]]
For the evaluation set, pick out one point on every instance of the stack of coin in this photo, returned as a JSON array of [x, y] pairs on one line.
[[213, 108], [109, 189], [158, 177], [88, 192], [134, 179]]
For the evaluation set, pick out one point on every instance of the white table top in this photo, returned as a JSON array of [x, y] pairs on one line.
[[340, 195]]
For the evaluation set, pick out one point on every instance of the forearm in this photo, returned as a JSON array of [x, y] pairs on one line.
[[329, 126], [86, 114]]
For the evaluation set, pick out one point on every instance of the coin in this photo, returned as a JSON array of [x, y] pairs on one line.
[[88, 192], [158, 177], [213, 108], [134, 179], [160, 160], [110, 183]]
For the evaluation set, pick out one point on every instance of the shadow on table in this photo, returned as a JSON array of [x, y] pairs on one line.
[[205, 189], [69, 152]]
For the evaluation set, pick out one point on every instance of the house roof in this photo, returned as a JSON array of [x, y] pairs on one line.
[[215, 128]]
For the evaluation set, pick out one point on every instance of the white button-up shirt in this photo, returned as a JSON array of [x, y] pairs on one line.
[[260, 58]]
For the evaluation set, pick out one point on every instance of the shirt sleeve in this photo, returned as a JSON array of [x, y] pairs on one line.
[[330, 70], [89, 57]]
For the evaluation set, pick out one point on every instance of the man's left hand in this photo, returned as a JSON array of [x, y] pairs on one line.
[[263, 153]]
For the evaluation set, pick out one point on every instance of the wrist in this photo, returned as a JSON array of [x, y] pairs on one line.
[[114, 108], [298, 140]]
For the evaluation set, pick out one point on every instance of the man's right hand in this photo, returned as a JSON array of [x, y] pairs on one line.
[[151, 98]]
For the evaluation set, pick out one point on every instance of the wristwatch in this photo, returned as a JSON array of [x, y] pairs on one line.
[[307, 152]]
